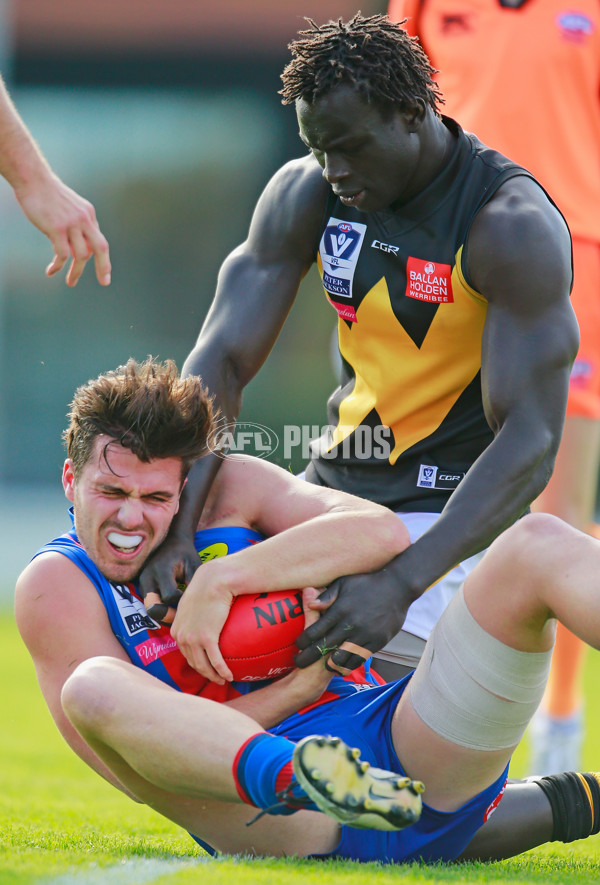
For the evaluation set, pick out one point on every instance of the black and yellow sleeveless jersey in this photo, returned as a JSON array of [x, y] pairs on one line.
[[407, 420]]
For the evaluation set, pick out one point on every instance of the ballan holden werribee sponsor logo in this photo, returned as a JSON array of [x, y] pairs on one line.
[[429, 281], [243, 438]]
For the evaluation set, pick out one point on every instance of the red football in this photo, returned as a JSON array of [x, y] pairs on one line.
[[258, 640]]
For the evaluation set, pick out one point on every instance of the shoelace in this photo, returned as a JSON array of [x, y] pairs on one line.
[[286, 800]]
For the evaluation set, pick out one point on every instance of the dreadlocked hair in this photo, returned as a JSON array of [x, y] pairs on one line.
[[145, 407], [375, 55]]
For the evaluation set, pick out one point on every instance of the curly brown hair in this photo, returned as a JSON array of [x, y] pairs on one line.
[[147, 408], [375, 55]]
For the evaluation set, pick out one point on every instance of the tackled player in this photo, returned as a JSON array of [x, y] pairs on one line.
[[193, 745]]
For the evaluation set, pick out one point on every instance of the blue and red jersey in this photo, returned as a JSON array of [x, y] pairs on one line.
[[150, 645]]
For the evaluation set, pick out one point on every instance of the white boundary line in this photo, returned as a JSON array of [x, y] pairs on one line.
[[129, 871]]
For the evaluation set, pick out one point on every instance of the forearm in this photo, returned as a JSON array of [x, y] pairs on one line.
[[270, 705], [21, 161], [253, 298], [313, 553], [208, 361], [193, 497], [211, 360], [225, 360], [495, 492], [175, 561]]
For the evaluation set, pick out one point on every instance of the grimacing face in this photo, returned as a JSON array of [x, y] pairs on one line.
[[369, 159], [123, 506]]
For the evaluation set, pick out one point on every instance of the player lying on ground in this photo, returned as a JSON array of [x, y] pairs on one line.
[[133, 434], [455, 727], [199, 762]]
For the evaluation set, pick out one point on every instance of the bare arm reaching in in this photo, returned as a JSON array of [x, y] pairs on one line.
[[67, 219]]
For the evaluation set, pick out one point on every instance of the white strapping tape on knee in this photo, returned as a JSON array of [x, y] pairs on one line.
[[472, 689]]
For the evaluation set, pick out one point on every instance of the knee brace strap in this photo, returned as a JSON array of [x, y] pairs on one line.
[[472, 689]]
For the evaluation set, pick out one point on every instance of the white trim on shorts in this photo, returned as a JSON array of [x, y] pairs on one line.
[[425, 612]]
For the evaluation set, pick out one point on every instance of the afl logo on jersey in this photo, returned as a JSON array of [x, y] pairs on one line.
[[339, 250]]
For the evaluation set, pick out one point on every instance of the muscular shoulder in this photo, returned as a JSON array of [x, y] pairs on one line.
[[290, 209], [300, 181], [237, 492], [256, 493], [52, 590], [521, 206], [519, 239], [44, 574]]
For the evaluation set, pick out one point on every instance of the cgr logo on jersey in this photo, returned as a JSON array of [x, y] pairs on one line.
[[339, 250], [132, 611], [385, 247], [429, 281], [432, 477]]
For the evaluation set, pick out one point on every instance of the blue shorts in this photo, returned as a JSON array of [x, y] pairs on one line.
[[363, 719]]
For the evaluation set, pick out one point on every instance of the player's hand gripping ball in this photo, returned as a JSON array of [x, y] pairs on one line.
[[258, 640]]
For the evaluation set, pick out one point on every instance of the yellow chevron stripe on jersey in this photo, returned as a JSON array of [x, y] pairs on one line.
[[409, 362], [411, 388]]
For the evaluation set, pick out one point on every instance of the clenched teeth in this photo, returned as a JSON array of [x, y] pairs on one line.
[[124, 542]]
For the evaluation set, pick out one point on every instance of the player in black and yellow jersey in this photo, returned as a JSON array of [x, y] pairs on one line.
[[410, 326], [450, 270]]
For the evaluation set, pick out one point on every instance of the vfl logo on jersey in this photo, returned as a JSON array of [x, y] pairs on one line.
[[427, 475], [339, 249], [133, 613], [431, 477], [429, 281]]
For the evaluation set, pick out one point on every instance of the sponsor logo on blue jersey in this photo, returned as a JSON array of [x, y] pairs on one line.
[[133, 612]]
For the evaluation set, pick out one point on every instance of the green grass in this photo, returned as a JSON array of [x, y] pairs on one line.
[[62, 824]]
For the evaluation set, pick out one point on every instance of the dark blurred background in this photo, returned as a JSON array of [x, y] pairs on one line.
[[166, 116]]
